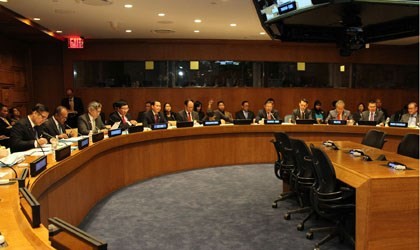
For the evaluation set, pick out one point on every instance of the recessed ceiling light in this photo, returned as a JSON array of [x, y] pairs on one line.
[[233, 25], [3, 1], [37, 19], [196, 31], [161, 14], [128, 31], [128, 6], [59, 31], [262, 33], [197, 21]]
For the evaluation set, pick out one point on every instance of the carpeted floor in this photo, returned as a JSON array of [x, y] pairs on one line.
[[216, 208]]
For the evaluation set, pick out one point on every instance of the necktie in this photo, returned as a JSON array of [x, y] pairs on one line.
[[156, 118], [302, 115], [189, 116], [60, 131], [71, 104], [35, 133], [123, 119], [339, 117], [269, 116], [246, 115], [93, 125], [371, 116]]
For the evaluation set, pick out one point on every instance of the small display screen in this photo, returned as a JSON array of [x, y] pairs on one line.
[[84, 143], [39, 165], [398, 124], [160, 126], [207, 123], [115, 132], [272, 121]]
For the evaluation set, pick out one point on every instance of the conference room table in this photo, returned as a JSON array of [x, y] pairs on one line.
[[386, 206]]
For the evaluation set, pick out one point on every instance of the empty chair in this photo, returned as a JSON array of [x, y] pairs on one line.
[[302, 179], [285, 151], [374, 138], [331, 199], [409, 146]]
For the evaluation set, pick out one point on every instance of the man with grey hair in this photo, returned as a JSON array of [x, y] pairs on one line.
[[339, 113], [91, 121]]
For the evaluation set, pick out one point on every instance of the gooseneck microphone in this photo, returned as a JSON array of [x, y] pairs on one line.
[[67, 126]]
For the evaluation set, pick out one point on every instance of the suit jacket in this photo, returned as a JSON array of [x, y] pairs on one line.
[[383, 111], [218, 115], [4, 127], [240, 115], [149, 118], [406, 117], [49, 128], [296, 115], [115, 117], [332, 115], [262, 114], [183, 117], [84, 125], [357, 116], [78, 104], [22, 135], [378, 117]]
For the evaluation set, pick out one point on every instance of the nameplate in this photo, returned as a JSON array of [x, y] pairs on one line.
[[97, 137], [114, 132], [272, 122], [158, 126], [62, 153], [135, 129], [211, 123], [38, 165], [337, 122], [30, 207], [83, 143], [398, 124], [22, 178]]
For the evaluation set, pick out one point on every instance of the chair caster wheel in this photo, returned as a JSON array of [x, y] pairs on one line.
[[309, 235], [274, 205], [300, 227], [286, 216]]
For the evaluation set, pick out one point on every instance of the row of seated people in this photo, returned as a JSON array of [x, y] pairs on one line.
[[35, 129]]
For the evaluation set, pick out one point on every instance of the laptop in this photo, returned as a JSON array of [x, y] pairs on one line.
[[337, 122], [398, 124], [367, 123], [135, 129], [242, 121], [184, 124], [305, 121]]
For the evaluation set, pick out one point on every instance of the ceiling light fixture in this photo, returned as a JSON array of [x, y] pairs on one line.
[[37, 19], [58, 31], [233, 25], [3, 1], [262, 33], [196, 31], [128, 31], [161, 14], [128, 6], [197, 21]]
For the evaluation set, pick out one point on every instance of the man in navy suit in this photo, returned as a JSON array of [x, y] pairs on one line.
[[25, 134], [54, 126], [154, 115], [245, 113]]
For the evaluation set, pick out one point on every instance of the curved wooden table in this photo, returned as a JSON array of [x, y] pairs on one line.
[[70, 188]]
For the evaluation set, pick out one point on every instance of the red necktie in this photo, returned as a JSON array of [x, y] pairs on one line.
[[156, 118], [371, 116], [269, 116], [189, 116], [339, 117], [123, 119]]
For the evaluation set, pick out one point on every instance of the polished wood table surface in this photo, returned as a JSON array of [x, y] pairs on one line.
[[70, 188], [387, 200]]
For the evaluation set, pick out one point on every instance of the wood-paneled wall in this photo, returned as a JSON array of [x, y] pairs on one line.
[[286, 98]]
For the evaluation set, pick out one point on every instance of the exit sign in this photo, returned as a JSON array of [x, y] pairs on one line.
[[75, 43]]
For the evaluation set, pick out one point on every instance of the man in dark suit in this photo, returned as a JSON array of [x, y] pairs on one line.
[[154, 115], [188, 113], [245, 113], [121, 115], [268, 113], [25, 133], [339, 113], [74, 106], [372, 114], [5, 125], [91, 121], [147, 107], [55, 125], [302, 113], [412, 117]]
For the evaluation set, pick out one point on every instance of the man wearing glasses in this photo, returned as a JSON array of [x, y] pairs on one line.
[[25, 133], [91, 121]]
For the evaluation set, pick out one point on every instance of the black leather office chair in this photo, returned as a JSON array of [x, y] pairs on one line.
[[374, 138], [285, 152], [301, 181], [331, 199], [409, 146]]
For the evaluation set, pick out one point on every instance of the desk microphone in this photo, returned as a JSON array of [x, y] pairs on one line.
[[40, 146]]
